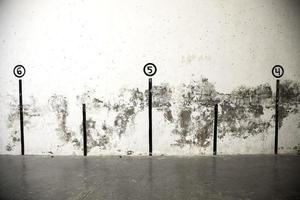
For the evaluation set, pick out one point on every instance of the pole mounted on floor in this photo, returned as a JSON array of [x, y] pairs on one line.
[[150, 116], [21, 117], [19, 72], [277, 72], [150, 69], [215, 130], [276, 117], [84, 129]]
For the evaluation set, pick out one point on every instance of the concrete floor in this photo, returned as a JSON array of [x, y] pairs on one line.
[[221, 177]]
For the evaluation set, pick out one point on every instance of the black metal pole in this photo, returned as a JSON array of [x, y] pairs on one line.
[[150, 116], [215, 130], [276, 117], [84, 129], [21, 117]]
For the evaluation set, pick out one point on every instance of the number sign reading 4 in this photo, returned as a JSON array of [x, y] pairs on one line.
[[277, 71]]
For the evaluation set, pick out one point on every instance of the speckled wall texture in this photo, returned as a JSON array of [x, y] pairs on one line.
[[93, 52]]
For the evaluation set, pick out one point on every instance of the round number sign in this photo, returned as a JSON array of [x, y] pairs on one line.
[[150, 69], [277, 71], [19, 71]]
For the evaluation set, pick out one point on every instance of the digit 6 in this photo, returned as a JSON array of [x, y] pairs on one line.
[[19, 71]]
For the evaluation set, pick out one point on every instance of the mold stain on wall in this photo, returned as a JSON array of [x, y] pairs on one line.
[[129, 103], [242, 110], [30, 111], [289, 98], [195, 116], [162, 95], [95, 137], [242, 113], [59, 105]]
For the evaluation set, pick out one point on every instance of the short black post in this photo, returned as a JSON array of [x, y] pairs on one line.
[[150, 116], [21, 117], [215, 130], [84, 129], [276, 117]]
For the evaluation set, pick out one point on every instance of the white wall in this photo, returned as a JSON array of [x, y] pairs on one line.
[[93, 52]]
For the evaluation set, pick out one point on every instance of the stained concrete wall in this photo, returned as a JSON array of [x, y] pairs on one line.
[[93, 52]]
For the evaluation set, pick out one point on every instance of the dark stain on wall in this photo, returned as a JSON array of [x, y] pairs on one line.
[[137, 99], [88, 97], [289, 98], [241, 111], [30, 110], [131, 103], [97, 103], [256, 110], [194, 121], [122, 119], [129, 152], [297, 149], [168, 115], [161, 100], [59, 105], [95, 137], [185, 118]]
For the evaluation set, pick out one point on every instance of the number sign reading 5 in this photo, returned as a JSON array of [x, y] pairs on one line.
[[150, 69]]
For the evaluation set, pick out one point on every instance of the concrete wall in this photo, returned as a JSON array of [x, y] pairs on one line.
[[93, 52]]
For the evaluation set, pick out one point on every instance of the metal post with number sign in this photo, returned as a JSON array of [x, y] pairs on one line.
[[19, 72], [277, 72], [150, 69]]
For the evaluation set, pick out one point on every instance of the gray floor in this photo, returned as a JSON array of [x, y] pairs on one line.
[[222, 177]]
